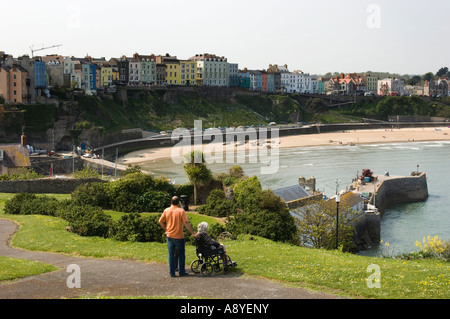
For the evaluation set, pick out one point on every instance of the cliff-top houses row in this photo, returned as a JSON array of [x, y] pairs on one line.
[[27, 80]]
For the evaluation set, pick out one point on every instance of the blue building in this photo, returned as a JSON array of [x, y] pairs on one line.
[[255, 80], [92, 76], [40, 79], [244, 79]]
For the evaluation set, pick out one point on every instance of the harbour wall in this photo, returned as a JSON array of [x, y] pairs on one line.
[[400, 190], [388, 192]]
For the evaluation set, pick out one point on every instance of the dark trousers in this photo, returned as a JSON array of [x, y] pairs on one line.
[[174, 245]]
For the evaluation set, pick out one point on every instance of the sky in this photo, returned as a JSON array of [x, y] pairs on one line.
[[395, 36]]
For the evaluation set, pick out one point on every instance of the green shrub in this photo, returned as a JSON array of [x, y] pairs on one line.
[[217, 205], [246, 193], [153, 201], [261, 213], [134, 227], [41, 205], [13, 205], [92, 194], [184, 189], [86, 220], [86, 172], [125, 192]]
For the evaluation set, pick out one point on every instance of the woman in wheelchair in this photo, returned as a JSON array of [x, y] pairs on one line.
[[205, 239]]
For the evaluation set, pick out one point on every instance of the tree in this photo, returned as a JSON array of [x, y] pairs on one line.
[[317, 226], [196, 171], [261, 213], [442, 72], [428, 77], [414, 80]]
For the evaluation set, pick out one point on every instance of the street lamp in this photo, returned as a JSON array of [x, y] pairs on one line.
[[338, 199]]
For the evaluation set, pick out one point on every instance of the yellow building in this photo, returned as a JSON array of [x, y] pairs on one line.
[[188, 72], [106, 76], [173, 72]]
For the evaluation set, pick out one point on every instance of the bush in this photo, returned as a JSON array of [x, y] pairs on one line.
[[86, 220], [134, 227], [153, 201], [86, 172], [92, 194], [246, 193], [260, 213], [41, 205], [13, 206], [217, 205], [132, 193]]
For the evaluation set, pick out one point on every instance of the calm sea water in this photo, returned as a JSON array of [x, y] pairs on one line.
[[401, 225]]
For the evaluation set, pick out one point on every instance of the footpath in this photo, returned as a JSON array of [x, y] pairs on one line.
[[117, 277]]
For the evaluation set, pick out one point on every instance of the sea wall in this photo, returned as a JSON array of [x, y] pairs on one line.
[[125, 146], [45, 185], [367, 230], [400, 190]]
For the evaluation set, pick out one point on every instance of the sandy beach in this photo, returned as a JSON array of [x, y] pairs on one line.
[[353, 137]]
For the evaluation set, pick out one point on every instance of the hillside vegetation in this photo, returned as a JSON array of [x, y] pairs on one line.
[[158, 110]]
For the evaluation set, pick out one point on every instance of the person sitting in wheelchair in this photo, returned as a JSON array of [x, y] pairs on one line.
[[205, 239]]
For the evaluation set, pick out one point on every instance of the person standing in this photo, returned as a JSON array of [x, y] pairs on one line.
[[172, 221]]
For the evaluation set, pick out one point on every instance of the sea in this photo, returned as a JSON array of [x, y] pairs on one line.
[[334, 168]]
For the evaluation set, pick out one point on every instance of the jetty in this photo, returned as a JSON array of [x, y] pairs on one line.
[[386, 190], [380, 192]]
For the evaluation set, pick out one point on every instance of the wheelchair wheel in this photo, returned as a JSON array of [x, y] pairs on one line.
[[195, 266], [206, 269]]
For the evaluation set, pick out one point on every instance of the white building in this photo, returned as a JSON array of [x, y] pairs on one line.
[[134, 72], [389, 86], [296, 81], [211, 70]]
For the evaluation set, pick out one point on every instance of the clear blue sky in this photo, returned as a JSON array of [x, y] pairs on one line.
[[397, 36]]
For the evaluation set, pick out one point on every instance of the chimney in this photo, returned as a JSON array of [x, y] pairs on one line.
[[23, 140]]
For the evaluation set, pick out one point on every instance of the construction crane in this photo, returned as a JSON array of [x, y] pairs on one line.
[[34, 50]]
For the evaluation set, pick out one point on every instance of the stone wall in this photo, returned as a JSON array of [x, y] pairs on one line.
[[367, 230], [400, 190], [45, 185]]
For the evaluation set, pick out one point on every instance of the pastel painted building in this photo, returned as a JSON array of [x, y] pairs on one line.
[[233, 79], [188, 72], [106, 75], [212, 70], [255, 80], [244, 79], [147, 68], [134, 71], [13, 84]]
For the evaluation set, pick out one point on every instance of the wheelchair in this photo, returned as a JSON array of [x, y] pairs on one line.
[[210, 260]]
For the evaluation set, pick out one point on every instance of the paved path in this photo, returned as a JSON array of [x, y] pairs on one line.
[[110, 277]]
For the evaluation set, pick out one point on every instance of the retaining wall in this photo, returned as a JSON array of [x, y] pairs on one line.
[[45, 185]]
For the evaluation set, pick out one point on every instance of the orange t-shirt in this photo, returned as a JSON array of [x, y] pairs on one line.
[[174, 217]]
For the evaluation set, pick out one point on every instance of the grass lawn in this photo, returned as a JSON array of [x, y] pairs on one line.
[[329, 271], [13, 268]]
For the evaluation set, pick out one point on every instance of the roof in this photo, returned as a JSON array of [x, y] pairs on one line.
[[15, 155], [348, 200], [291, 193]]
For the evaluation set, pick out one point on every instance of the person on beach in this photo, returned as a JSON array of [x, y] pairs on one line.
[[206, 239], [172, 221]]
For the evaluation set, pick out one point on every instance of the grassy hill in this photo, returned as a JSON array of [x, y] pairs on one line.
[[167, 109]]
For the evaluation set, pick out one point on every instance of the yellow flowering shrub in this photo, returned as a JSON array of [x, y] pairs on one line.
[[434, 247]]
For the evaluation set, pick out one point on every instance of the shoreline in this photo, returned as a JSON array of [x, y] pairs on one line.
[[343, 138]]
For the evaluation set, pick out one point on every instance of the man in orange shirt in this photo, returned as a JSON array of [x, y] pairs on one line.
[[172, 221]]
